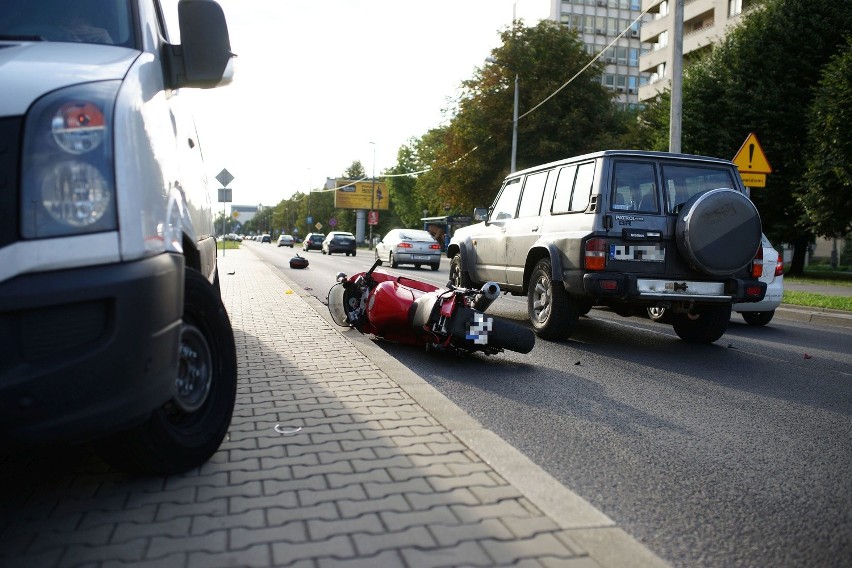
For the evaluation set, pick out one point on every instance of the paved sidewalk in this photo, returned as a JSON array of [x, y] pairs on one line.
[[334, 459], [406, 478]]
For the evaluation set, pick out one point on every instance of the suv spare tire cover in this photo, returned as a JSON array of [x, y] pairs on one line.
[[719, 231]]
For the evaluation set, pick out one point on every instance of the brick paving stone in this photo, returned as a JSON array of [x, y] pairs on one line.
[[322, 530], [350, 509], [258, 556], [510, 551], [292, 532], [370, 544], [386, 559], [464, 554], [339, 547], [203, 524], [448, 535]]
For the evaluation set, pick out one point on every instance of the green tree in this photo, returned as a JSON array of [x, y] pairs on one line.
[[471, 156], [406, 207], [760, 78], [826, 192]]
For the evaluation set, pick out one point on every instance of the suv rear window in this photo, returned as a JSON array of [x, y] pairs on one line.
[[683, 182], [635, 187]]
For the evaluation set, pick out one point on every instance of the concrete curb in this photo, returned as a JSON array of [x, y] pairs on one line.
[[814, 315]]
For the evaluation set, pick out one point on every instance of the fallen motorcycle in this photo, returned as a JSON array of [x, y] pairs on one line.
[[412, 312]]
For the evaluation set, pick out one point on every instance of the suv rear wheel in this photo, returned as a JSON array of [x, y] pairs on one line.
[[703, 325], [552, 313]]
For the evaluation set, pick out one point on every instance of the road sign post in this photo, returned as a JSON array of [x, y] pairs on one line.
[[225, 196]]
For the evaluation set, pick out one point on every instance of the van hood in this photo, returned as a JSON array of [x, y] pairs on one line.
[[28, 70]]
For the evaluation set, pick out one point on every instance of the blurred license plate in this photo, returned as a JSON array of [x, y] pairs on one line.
[[420, 257]]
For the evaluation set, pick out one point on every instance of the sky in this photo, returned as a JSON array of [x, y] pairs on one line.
[[319, 84]]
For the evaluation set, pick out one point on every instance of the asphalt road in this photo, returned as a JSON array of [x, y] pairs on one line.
[[734, 454]]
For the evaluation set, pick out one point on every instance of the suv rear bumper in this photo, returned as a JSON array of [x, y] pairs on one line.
[[89, 351], [627, 288]]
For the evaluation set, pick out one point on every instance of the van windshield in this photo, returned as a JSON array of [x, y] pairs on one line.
[[107, 22]]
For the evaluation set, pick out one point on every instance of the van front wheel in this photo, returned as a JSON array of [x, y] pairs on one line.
[[551, 311], [186, 431]]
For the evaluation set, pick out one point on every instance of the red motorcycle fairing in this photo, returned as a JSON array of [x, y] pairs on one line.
[[389, 307]]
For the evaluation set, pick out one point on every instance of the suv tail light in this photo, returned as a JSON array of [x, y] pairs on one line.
[[779, 268], [757, 264], [594, 255]]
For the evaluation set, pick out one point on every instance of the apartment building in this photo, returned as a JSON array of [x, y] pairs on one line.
[[704, 23], [600, 23]]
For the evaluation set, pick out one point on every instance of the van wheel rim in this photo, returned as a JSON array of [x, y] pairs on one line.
[[195, 370]]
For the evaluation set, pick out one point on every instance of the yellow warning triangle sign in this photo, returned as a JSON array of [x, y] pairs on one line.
[[750, 157]]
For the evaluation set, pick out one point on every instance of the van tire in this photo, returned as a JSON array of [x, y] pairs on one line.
[[459, 277], [703, 325], [180, 436], [551, 311]]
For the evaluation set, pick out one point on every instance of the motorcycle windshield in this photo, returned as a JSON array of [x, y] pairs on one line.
[[337, 305]]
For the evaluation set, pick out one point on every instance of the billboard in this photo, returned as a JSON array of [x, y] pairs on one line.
[[360, 195]]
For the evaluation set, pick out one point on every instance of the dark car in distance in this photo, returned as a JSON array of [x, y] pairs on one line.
[[313, 241], [339, 241]]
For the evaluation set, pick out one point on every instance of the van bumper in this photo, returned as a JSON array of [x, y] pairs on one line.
[[88, 351], [625, 287]]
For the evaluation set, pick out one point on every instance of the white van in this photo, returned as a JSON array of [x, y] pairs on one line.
[[112, 324]]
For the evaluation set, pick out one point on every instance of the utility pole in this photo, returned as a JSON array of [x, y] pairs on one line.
[[676, 116]]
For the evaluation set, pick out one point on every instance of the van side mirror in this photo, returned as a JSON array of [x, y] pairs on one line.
[[480, 213], [203, 58]]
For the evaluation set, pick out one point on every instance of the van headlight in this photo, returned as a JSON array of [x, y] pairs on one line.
[[67, 171]]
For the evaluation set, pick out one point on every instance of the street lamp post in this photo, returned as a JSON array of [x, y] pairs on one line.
[[512, 167], [372, 196]]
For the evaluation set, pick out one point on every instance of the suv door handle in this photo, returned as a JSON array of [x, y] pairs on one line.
[[534, 229]]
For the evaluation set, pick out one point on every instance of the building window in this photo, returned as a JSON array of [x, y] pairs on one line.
[[633, 57], [735, 7]]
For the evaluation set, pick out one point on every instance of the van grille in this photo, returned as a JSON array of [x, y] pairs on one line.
[[10, 144]]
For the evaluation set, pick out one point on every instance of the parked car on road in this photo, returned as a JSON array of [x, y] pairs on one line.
[[409, 246], [628, 230], [339, 241], [313, 241], [768, 265], [286, 241]]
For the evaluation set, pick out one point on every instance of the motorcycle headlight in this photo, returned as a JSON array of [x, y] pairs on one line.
[[67, 172]]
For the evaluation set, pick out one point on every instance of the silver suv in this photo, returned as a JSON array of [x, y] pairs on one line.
[[628, 230]]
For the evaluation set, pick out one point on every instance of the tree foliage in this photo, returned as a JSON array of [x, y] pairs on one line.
[[470, 157], [826, 192]]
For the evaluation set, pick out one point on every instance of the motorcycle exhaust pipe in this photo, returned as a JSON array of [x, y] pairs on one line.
[[489, 292]]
